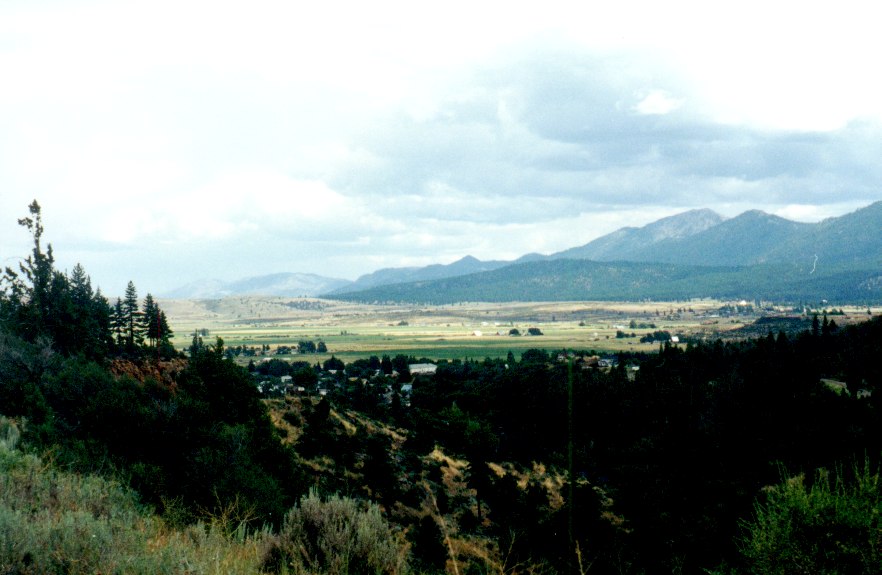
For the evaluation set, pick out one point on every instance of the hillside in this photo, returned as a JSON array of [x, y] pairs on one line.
[[701, 237], [575, 280], [637, 244], [57, 521], [747, 239], [754, 255], [386, 276], [854, 239]]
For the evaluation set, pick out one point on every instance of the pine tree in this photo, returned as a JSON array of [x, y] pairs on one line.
[[165, 332], [150, 320], [27, 306], [133, 330], [39, 301], [118, 322], [101, 316], [89, 316]]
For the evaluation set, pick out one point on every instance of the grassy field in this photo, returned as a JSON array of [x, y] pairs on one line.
[[468, 330]]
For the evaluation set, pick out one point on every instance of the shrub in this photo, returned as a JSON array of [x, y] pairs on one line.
[[337, 536], [59, 522], [832, 526]]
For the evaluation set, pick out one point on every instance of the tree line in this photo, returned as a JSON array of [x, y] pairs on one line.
[[37, 301], [198, 443]]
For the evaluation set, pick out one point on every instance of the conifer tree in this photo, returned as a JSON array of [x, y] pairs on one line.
[[118, 323], [38, 301], [165, 331], [133, 333], [150, 320], [27, 306], [155, 323], [89, 316]]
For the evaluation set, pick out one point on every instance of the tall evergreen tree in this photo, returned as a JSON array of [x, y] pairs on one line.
[[133, 334], [118, 323], [155, 323], [87, 317], [165, 331], [27, 304], [39, 301], [150, 320]]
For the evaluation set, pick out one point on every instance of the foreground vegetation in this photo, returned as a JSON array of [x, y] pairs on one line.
[[54, 521], [130, 458]]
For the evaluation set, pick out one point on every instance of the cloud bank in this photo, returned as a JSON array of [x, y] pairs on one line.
[[169, 142]]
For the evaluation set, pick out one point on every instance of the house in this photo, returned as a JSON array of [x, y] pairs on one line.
[[423, 368], [287, 379], [588, 362]]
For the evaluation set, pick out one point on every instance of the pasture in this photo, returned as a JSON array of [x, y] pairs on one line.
[[466, 330]]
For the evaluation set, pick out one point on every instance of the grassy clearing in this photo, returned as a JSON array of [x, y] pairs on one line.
[[468, 330]]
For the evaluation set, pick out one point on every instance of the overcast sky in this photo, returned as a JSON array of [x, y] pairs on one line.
[[169, 141]]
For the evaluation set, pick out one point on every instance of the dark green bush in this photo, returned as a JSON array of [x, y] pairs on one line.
[[832, 526]]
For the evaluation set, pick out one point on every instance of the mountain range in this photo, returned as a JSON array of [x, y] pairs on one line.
[[280, 284], [697, 253]]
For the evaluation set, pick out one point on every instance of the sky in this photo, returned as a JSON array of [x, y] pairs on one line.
[[170, 142]]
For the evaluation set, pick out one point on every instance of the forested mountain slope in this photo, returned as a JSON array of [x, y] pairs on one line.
[[638, 244], [579, 280]]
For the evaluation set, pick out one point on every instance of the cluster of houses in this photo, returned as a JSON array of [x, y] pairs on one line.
[[332, 378], [586, 362]]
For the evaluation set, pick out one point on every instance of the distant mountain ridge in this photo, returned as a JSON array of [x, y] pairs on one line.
[[279, 284], [387, 276], [754, 254], [637, 244], [750, 252], [748, 239], [587, 280]]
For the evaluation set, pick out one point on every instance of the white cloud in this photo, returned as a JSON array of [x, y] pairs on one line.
[[815, 213], [657, 103], [345, 134]]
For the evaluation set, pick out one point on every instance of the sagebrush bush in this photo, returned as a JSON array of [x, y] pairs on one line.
[[336, 536], [832, 526], [58, 522]]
